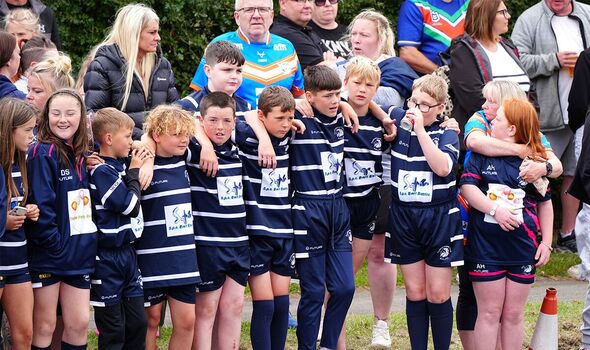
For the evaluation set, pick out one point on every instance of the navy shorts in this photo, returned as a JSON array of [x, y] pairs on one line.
[[47, 279], [217, 263], [116, 275], [320, 224], [432, 234], [382, 220], [482, 272], [271, 254], [363, 213], [14, 279], [184, 293]]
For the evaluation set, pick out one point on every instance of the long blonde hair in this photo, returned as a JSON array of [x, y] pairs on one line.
[[125, 32]]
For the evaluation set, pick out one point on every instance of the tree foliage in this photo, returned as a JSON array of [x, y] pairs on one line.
[[187, 25]]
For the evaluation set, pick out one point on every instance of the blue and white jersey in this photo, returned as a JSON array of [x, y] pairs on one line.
[[218, 202], [166, 250], [192, 103], [3, 202], [414, 183], [317, 156], [13, 245], [266, 191], [63, 241], [272, 62], [362, 157], [116, 213]]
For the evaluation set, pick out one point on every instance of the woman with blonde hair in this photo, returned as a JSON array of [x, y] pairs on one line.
[[128, 70], [23, 24], [502, 252], [48, 76], [370, 35]]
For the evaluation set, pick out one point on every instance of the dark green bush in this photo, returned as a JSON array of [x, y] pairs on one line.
[[187, 25]]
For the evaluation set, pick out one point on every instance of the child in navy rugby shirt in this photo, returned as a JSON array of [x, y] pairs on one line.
[[62, 243], [166, 250], [268, 207], [116, 291], [16, 134], [425, 236], [323, 242]]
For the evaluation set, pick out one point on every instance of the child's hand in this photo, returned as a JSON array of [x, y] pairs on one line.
[[390, 129], [298, 126], [507, 219], [451, 124], [93, 160], [32, 212], [351, 119], [266, 155], [146, 173], [14, 222], [543, 254], [304, 107], [138, 157], [418, 119], [208, 161]]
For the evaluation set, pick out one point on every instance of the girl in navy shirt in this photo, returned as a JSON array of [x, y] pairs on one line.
[[16, 133], [507, 213], [62, 244]]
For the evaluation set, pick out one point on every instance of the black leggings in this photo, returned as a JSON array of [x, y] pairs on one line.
[[121, 326]]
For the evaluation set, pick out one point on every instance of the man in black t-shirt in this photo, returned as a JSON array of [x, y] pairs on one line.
[[292, 24], [323, 22]]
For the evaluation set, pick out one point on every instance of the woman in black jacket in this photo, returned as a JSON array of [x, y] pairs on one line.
[[481, 55], [109, 82]]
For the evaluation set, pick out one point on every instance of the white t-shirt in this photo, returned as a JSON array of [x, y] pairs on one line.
[[504, 67], [569, 38]]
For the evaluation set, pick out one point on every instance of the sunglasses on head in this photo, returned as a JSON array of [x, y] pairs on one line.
[[323, 2]]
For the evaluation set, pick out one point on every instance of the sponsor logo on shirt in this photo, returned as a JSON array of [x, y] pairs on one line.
[[65, 175], [490, 170], [414, 183], [279, 47]]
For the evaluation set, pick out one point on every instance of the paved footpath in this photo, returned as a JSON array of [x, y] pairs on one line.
[[567, 290]]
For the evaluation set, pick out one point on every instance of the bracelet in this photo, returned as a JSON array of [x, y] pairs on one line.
[[547, 245]]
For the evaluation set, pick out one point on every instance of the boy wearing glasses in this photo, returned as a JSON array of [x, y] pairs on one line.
[[269, 59], [425, 236]]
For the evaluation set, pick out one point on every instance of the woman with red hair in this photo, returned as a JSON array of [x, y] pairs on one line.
[[506, 214]]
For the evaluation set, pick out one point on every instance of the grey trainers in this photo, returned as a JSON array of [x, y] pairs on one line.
[[567, 244]]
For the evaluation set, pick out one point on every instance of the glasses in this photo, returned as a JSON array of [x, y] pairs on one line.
[[504, 13], [302, 1], [323, 2], [250, 10], [421, 107]]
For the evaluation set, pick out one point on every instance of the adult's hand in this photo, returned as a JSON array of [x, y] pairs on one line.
[[567, 59]]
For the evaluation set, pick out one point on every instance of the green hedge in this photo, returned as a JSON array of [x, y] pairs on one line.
[[186, 25]]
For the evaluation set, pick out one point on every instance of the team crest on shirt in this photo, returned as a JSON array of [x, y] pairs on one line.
[[331, 165], [360, 172], [435, 141], [527, 269], [285, 67], [275, 183], [339, 132], [349, 236], [292, 261], [435, 16], [444, 252], [179, 219], [376, 143], [229, 190]]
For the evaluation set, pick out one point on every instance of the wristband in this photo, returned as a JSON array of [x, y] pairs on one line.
[[547, 245]]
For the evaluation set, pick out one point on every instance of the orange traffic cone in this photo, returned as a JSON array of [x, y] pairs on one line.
[[545, 335]]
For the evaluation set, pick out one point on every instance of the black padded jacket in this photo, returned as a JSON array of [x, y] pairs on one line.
[[104, 86]]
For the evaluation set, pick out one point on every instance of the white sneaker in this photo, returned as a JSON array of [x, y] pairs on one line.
[[576, 272], [381, 339]]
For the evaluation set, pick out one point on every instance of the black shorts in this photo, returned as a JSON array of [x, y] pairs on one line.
[[382, 220], [272, 254], [432, 234], [14, 279], [47, 279], [466, 313], [154, 296], [483, 272], [363, 212], [217, 263]]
